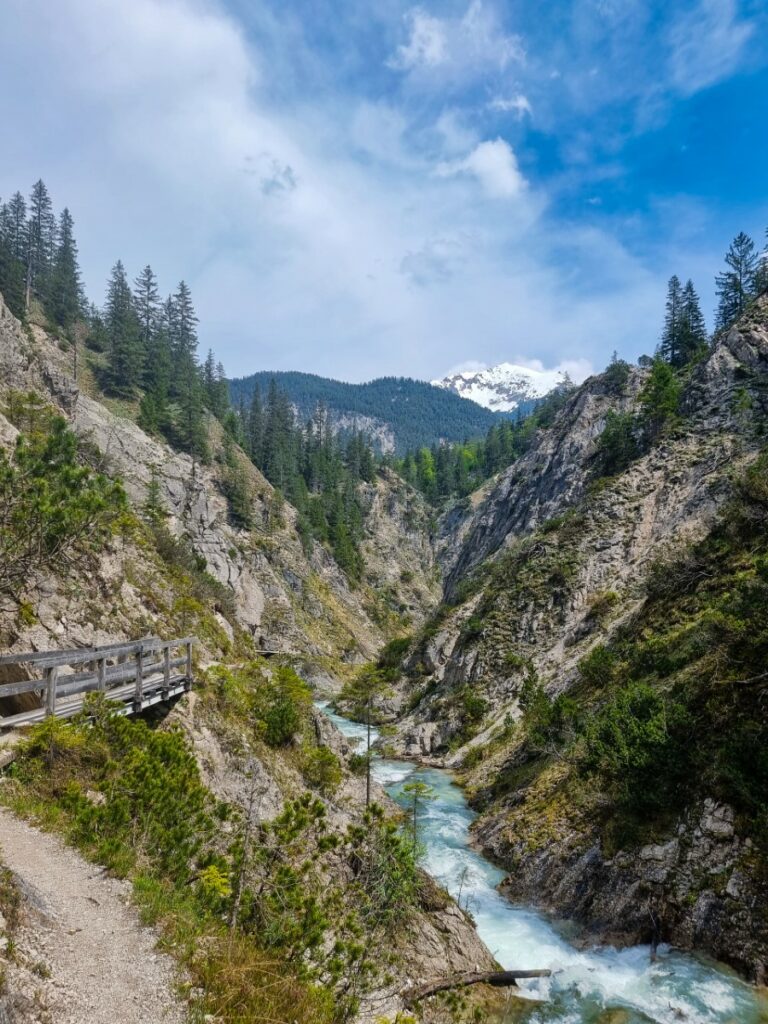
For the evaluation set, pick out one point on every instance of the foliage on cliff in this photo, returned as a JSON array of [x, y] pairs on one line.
[[672, 707], [53, 506]]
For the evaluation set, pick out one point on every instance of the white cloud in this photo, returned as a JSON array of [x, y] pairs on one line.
[[577, 369], [518, 105], [706, 44], [462, 47], [436, 261], [493, 164], [427, 44], [301, 229]]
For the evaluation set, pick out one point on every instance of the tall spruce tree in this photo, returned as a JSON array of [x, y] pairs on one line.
[[673, 323], [65, 298], [11, 267], [255, 431], [184, 334], [124, 353], [693, 335], [186, 384], [736, 285], [41, 238], [761, 275], [13, 225], [147, 305]]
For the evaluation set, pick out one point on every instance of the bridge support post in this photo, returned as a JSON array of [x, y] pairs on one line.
[[138, 697], [188, 679], [51, 677], [166, 671]]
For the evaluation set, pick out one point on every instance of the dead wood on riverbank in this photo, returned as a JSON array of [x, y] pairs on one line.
[[498, 979]]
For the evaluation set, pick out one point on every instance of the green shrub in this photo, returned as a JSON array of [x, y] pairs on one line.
[[616, 376], [282, 705], [660, 399], [637, 743], [392, 655], [322, 769], [599, 666], [618, 445], [53, 509]]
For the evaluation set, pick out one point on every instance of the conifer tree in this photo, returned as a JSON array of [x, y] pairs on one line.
[[693, 334], [673, 323], [184, 333], [13, 225], [191, 426], [124, 355], [65, 299], [41, 236], [147, 306], [761, 276], [11, 268], [221, 392], [255, 433], [215, 385], [736, 285]]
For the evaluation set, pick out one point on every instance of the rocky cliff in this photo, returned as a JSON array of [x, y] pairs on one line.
[[283, 597], [241, 592], [548, 564]]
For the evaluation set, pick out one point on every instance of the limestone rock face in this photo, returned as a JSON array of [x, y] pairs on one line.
[[541, 566], [697, 884], [287, 600]]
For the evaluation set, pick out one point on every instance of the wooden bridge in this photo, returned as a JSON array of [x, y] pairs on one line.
[[135, 675]]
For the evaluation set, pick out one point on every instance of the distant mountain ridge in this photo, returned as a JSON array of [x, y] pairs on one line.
[[505, 387], [399, 413]]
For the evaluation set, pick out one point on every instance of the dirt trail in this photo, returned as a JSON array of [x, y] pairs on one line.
[[83, 957]]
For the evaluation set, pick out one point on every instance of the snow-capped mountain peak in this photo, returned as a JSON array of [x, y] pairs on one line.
[[502, 387]]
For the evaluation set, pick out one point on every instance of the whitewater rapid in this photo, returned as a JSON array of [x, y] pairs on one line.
[[585, 983]]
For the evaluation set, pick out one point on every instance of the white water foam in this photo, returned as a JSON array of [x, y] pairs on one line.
[[585, 983]]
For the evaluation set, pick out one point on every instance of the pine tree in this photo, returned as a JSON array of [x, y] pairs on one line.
[[255, 433], [693, 333], [673, 323], [11, 267], [184, 337], [65, 298], [147, 305], [215, 385], [13, 225], [124, 355], [736, 286], [191, 427], [761, 276], [41, 236]]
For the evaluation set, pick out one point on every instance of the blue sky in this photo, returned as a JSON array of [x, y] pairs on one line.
[[357, 189]]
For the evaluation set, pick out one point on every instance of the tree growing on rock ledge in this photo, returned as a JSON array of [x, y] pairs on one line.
[[736, 285]]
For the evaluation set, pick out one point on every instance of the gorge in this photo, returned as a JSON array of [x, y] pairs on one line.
[[578, 641], [588, 982]]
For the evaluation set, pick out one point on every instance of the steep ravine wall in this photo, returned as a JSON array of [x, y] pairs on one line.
[[553, 566], [284, 599]]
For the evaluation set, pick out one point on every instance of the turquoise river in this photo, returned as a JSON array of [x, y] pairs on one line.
[[585, 983]]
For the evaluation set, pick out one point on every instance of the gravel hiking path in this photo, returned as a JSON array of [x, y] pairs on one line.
[[82, 955]]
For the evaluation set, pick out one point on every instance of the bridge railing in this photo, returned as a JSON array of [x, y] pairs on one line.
[[136, 674]]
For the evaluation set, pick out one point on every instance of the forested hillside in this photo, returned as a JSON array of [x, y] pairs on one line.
[[400, 413]]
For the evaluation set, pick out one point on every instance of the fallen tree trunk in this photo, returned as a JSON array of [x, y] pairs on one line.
[[499, 979]]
